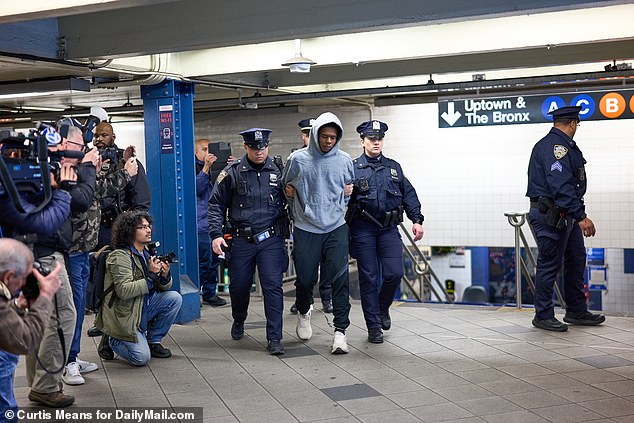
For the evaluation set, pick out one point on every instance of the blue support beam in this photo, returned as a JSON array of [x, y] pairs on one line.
[[169, 149]]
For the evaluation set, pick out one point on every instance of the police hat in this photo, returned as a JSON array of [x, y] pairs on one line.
[[306, 124], [567, 112], [256, 138], [372, 128]]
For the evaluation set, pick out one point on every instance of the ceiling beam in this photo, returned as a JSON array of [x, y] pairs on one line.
[[197, 24]]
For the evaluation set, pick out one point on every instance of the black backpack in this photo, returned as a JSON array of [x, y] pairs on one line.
[[94, 289]]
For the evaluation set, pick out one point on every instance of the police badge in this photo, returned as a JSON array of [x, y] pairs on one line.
[[559, 151], [394, 174], [221, 176]]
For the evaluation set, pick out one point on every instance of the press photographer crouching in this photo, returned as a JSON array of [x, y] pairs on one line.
[[24, 315], [138, 307]]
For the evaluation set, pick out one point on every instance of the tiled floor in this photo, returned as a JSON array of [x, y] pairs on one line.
[[438, 364]]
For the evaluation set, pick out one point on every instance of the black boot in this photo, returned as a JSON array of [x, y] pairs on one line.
[[104, 349]]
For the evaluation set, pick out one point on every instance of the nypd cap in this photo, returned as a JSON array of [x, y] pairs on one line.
[[306, 124], [372, 128], [256, 138], [567, 112]]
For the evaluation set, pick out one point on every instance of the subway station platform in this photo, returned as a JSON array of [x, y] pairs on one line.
[[439, 363]]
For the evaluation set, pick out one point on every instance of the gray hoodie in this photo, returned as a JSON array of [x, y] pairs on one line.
[[319, 205]]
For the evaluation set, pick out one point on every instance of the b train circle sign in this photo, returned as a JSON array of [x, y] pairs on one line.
[[521, 109]]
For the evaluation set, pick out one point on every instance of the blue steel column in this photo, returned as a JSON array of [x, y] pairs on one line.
[[169, 150]]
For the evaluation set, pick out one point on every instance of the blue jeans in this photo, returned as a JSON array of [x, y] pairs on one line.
[[159, 313], [8, 363], [208, 263], [79, 273]]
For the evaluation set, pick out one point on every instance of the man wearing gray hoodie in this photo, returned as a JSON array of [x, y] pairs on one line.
[[318, 183]]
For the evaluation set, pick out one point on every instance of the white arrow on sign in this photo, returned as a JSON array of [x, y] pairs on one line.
[[451, 115]]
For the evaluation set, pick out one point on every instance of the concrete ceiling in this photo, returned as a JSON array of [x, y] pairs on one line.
[[234, 54]]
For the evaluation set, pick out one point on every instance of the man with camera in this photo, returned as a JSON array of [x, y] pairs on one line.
[[85, 231], [138, 307], [124, 184], [23, 319]]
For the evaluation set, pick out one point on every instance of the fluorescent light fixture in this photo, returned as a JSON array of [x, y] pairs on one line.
[[42, 87]]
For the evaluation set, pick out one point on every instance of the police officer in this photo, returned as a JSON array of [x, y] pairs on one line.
[[556, 185], [381, 194], [250, 189], [325, 285]]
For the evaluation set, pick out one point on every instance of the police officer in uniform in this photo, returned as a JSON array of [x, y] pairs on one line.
[[556, 185], [381, 194], [250, 190]]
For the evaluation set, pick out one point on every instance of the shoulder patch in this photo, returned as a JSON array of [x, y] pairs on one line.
[[222, 175], [559, 151]]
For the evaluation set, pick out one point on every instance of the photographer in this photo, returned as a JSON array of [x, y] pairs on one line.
[[85, 230], [138, 308], [122, 178], [23, 322]]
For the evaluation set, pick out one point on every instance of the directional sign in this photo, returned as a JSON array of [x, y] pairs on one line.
[[521, 109]]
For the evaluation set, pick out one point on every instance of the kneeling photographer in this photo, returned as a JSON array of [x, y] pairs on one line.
[[138, 307], [23, 316]]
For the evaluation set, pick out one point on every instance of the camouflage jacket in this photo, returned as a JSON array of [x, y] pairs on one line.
[[86, 224]]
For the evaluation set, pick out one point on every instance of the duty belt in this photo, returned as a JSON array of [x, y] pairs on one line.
[[253, 236]]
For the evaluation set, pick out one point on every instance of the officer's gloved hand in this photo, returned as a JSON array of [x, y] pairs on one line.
[[587, 227], [289, 190]]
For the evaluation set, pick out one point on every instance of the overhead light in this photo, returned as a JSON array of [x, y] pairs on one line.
[[299, 63], [43, 87]]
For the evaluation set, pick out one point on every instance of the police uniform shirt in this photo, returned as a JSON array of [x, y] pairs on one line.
[[556, 170], [251, 197], [380, 187]]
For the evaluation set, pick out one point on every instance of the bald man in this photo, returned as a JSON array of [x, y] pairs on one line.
[[121, 181]]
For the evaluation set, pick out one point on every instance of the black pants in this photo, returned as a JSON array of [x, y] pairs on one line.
[[331, 249]]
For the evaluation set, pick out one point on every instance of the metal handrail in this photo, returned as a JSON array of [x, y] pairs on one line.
[[431, 272], [517, 220]]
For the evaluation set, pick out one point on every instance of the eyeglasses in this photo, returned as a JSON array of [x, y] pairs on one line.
[[146, 227]]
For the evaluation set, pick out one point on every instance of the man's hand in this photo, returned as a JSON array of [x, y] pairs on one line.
[[417, 230], [154, 265], [587, 227], [231, 159], [67, 173], [289, 190], [347, 190], [217, 244], [49, 284], [165, 269], [209, 160], [92, 156], [129, 152], [132, 166]]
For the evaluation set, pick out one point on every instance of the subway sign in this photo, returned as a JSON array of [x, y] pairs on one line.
[[521, 109]]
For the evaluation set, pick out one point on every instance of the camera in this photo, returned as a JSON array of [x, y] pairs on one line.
[[169, 258], [31, 289], [24, 164], [55, 163], [110, 153], [97, 115]]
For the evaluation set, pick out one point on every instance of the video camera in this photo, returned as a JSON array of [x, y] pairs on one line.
[[24, 164], [31, 289], [168, 258]]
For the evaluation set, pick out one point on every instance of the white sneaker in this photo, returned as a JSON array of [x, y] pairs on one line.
[[303, 329], [340, 343], [71, 374], [86, 366]]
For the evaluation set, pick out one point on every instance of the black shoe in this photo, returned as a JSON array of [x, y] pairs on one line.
[[327, 305], [237, 330], [386, 322], [159, 351], [104, 349], [275, 347], [215, 301], [375, 335], [294, 309], [93, 332], [551, 324], [584, 318]]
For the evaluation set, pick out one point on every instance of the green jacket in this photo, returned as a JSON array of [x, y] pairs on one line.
[[122, 320]]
